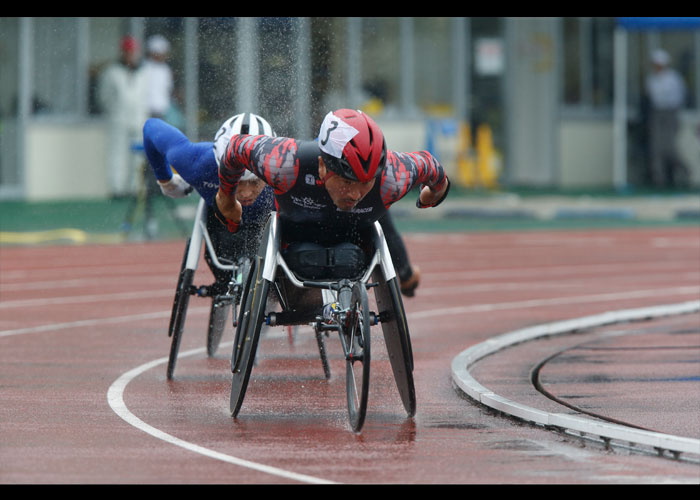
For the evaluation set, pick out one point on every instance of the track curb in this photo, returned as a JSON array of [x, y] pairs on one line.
[[471, 387]]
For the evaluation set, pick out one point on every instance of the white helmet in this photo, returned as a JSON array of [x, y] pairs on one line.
[[243, 123]]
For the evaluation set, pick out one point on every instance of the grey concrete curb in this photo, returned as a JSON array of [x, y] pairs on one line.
[[561, 208], [472, 388]]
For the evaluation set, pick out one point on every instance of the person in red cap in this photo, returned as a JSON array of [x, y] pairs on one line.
[[130, 48], [122, 98]]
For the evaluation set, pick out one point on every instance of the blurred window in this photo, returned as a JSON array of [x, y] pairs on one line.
[[58, 88], [588, 62]]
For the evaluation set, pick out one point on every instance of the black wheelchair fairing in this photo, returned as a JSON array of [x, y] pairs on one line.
[[331, 304]]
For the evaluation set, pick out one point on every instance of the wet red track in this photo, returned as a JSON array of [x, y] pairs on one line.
[[83, 330]]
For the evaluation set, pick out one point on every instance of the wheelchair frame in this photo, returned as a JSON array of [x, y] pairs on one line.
[[199, 239], [269, 269]]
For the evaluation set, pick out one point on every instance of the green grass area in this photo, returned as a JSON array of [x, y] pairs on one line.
[[106, 220], [408, 225], [95, 217]]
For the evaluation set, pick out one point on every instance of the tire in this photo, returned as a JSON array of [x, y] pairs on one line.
[[243, 313], [248, 335], [397, 339], [174, 313], [182, 300], [220, 308], [356, 340]]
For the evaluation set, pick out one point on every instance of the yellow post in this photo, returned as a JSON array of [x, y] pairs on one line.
[[487, 157], [465, 160]]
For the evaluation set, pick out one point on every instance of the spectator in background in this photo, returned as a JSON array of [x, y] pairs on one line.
[[122, 98], [160, 77], [666, 92]]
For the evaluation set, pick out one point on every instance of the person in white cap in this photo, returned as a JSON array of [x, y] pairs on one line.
[[121, 95], [159, 75], [667, 93]]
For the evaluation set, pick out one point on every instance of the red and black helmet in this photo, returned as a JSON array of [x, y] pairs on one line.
[[352, 145]]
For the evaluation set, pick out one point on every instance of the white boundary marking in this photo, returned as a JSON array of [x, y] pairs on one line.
[[116, 392], [96, 321], [470, 386], [116, 401], [460, 365]]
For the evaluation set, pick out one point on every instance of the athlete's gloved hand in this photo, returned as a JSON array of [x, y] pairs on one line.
[[429, 198], [230, 224], [176, 187]]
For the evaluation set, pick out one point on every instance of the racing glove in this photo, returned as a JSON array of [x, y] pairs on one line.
[[230, 225], [176, 187], [420, 205]]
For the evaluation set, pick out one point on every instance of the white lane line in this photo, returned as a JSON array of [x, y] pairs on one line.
[[115, 393], [567, 271], [115, 397], [81, 282], [96, 321], [690, 277], [472, 308], [82, 299], [577, 299]]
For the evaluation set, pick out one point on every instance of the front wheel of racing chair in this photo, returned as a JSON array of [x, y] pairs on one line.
[[355, 337], [254, 295], [392, 316], [248, 334], [253, 313], [223, 295]]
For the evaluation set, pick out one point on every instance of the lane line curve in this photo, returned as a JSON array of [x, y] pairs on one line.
[[115, 398]]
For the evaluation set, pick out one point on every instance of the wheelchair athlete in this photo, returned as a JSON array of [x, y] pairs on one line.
[[196, 166], [180, 166], [330, 191]]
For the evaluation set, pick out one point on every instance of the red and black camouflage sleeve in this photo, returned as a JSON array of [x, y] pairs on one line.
[[273, 159], [406, 170]]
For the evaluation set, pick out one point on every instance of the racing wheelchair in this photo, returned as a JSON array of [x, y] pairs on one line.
[[330, 304], [225, 292]]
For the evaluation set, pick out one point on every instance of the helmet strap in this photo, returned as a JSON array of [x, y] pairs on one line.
[[329, 172]]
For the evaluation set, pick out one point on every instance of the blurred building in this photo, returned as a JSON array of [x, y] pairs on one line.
[[553, 103]]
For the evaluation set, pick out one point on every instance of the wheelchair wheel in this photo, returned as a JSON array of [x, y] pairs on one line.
[[248, 334], [243, 314], [355, 336], [221, 305], [177, 319], [397, 339], [174, 313]]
